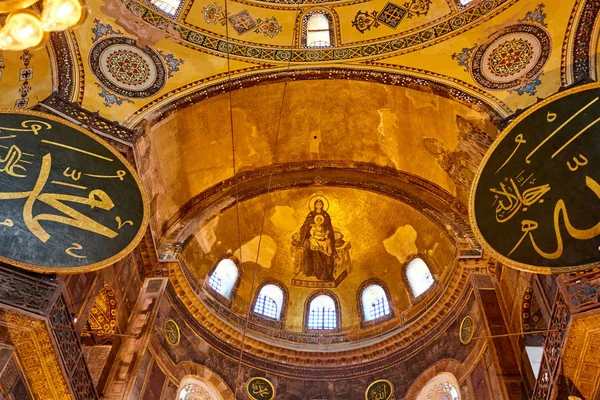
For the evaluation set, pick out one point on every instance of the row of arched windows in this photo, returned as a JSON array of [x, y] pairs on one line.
[[322, 309]]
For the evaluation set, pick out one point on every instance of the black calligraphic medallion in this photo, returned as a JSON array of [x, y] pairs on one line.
[[260, 389], [535, 202], [381, 389], [172, 333], [68, 202], [467, 329]]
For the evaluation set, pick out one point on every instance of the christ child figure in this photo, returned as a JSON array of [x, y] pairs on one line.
[[318, 236]]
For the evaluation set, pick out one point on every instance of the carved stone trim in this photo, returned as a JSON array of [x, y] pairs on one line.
[[582, 52], [164, 106], [90, 120]]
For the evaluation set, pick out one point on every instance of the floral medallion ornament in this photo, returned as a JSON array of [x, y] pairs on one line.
[[466, 330], [381, 389], [126, 69], [260, 389], [512, 58], [172, 333]]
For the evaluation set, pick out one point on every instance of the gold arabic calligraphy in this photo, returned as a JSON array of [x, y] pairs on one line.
[[12, 164], [510, 198]]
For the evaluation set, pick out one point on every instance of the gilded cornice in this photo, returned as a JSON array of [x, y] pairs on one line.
[[334, 361], [37, 356]]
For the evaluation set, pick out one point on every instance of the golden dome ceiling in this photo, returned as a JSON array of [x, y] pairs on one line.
[[388, 126]]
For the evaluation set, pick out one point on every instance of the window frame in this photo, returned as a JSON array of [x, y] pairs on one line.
[[338, 312], [174, 16], [212, 292], [333, 26], [429, 263], [359, 294], [276, 323]]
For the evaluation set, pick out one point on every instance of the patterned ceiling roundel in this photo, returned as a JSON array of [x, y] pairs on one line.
[[516, 55], [123, 67]]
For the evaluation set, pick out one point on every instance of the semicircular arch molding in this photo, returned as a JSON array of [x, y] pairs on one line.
[[190, 373], [441, 207], [446, 87]]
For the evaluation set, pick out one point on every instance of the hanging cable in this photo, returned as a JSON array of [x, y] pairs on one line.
[[276, 139]]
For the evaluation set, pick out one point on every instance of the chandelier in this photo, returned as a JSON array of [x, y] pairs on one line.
[[25, 28]]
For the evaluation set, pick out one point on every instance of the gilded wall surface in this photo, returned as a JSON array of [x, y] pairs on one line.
[[376, 236], [389, 126]]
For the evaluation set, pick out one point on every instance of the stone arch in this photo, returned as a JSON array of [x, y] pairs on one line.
[[188, 372], [450, 367]]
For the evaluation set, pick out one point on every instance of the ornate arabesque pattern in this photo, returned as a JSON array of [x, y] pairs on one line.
[[428, 36], [40, 295], [511, 58], [103, 317], [90, 120], [36, 356]]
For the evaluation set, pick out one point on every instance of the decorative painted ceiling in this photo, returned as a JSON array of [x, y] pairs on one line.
[[500, 55]]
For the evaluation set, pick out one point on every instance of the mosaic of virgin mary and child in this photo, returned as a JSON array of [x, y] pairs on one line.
[[318, 240]]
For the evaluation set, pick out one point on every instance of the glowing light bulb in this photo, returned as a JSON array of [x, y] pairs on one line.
[[22, 30], [59, 15]]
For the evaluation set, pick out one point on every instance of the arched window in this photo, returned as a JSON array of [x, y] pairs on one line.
[[192, 388], [317, 29], [441, 387], [375, 302], [269, 302], [419, 276], [224, 277], [169, 7], [322, 313]]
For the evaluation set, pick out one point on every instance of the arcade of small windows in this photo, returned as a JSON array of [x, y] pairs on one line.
[[322, 310]]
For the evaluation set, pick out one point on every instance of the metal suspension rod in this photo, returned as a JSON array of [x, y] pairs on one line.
[[518, 334], [98, 333]]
